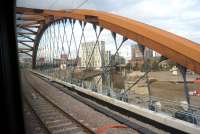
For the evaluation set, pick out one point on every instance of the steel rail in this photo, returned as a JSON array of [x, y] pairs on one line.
[[35, 113], [86, 128], [88, 100]]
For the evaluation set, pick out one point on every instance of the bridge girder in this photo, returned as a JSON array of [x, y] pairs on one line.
[[176, 48]]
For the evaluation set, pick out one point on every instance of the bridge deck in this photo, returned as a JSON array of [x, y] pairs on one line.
[[81, 111]]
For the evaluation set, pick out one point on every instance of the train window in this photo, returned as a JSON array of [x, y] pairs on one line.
[[103, 66]]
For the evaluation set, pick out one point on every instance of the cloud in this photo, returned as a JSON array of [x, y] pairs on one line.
[[49, 4], [181, 17]]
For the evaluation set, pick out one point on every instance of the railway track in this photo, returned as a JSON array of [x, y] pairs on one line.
[[36, 126], [47, 114], [113, 115], [54, 119]]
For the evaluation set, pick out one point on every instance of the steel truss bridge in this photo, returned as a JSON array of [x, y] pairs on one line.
[[57, 41]]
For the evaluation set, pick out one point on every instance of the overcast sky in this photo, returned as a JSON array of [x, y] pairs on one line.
[[181, 17]]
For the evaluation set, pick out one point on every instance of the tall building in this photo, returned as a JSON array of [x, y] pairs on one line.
[[149, 52], [117, 60], [136, 53], [107, 58], [92, 58]]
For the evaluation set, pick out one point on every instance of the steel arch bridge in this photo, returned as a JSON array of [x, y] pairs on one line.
[[38, 33], [176, 48]]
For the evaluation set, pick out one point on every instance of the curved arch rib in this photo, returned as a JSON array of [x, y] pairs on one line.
[[176, 48]]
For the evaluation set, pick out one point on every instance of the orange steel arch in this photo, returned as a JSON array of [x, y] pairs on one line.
[[176, 48]]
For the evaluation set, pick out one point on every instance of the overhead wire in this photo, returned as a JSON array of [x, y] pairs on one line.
[[81, 4]]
